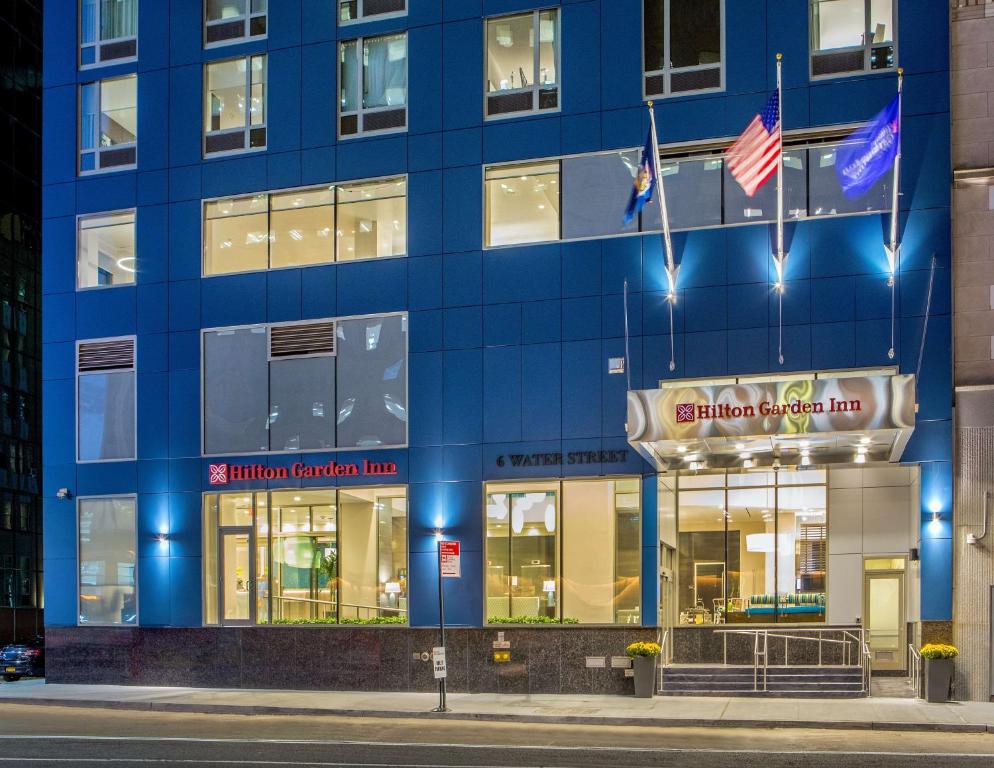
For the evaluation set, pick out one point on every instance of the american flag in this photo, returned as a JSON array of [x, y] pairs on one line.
[[754, 156]]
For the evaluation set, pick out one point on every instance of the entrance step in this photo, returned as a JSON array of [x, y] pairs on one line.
[[800, 682]]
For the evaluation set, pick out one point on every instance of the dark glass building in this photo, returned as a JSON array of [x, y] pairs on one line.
[[20, 374]]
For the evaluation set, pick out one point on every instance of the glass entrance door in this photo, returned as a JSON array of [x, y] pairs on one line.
[[885, 623], [237, 580]]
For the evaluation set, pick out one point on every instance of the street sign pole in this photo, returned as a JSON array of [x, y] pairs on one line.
[[441, 632]]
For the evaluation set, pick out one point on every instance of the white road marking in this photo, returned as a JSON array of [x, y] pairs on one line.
[[516, 747]]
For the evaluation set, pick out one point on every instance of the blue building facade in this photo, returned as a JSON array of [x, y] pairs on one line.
[[511, 344]]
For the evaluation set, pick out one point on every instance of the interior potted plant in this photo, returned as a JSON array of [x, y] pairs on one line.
[[938, 670], [644, 656]]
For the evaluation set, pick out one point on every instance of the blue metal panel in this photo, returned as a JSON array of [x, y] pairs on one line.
[[463, 328], [462, 281], [541, 392], [582, 365], [650, 551], [502, 381], [153, 420]]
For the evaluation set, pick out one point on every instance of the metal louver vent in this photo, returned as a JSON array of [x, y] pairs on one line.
[[304, 339], [117, 354]]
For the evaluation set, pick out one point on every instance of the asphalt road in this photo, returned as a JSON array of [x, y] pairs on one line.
[[59, 737]]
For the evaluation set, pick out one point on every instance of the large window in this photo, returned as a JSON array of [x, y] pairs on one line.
[[108, 31], [105, 250], [522, 68], [108, 124], [564, 551], [751, 546], [683, 44], [584, 196], [235, 105], [318, 225], [522, 203], [306, 556], [306, 386], [354, 10], [105, 400], [229, 21], [372, 76], [852, 36], [107, 544]]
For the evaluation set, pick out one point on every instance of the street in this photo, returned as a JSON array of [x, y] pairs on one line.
[[55, 737]]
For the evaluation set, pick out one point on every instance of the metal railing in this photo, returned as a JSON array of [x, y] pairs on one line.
[[852, 642], [914, 669], [330, 607]]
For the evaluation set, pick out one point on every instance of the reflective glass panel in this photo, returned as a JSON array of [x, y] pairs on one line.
[[106, 428], [236, 235], [302, 228], [107, 561], [236, 391]]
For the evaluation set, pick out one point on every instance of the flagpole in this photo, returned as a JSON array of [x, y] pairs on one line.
[[671, 270], [780, 258], [893, 250]]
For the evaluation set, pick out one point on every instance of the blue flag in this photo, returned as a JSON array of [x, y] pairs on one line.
[[871, 154], [645, 181]]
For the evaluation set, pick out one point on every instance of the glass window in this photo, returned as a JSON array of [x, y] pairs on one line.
[[305, 389], [107, 544], [522, 68], [236, 235], [565, 551], [372, 220], [299, 227], [352, 10], [522, 204], [751, 552], [108, 124], [105, 396], [235, 105], [106, 250], [851, 36], [230, 21], [594, 190], [373, 88], [322, 556], [742, 209], [693, 195], [682, 45], [236, 391], [372, 381], [108, 31], [302, 403]]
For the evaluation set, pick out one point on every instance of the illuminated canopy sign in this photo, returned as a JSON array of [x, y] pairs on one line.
[[222, 474], [748, 413]]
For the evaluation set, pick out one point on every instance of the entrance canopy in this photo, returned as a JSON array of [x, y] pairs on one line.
[[802, 419]]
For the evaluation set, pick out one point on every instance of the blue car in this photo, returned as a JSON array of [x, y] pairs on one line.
[[23, 660]]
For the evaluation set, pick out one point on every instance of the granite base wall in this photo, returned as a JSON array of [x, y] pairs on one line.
[[543, 660]]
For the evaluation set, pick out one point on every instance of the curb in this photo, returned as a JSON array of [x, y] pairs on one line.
[[235, 709]]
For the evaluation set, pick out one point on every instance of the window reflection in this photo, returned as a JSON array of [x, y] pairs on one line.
[[522, 62]]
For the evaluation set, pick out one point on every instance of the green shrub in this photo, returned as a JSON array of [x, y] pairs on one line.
[[374, 620], [530, 620]]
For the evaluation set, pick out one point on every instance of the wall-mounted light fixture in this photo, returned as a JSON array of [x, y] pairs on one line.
[[935, 526]]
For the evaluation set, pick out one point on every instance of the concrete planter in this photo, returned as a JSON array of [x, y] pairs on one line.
[[645, 676], [938, 680]]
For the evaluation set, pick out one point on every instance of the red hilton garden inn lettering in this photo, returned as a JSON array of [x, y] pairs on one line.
[[767, 408], [221, 474]]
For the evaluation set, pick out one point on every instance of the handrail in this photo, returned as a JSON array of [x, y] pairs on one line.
[[915, 668], [761, 656]]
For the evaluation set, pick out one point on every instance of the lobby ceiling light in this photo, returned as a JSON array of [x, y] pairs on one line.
[[860, 458], [681, 449]]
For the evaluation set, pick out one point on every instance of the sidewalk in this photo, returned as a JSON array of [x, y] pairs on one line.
[[874, 713]]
